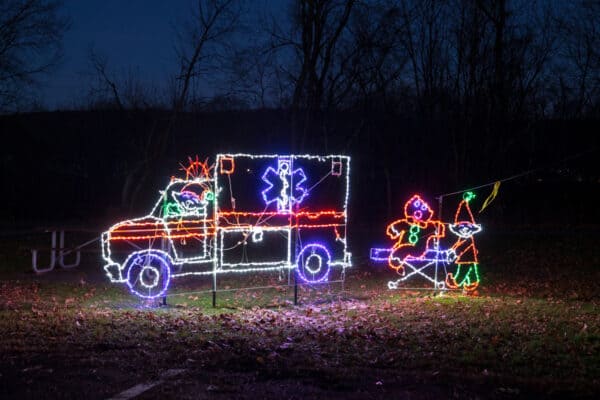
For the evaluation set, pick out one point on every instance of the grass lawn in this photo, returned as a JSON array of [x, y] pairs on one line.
[[532, 330]]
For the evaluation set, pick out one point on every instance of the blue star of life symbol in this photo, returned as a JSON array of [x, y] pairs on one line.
[[278, 185]]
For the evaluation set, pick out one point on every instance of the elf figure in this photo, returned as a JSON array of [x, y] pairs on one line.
[[417, 238], [464, 226]]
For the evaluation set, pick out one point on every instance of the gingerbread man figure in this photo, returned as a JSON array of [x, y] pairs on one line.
[[417, 237]]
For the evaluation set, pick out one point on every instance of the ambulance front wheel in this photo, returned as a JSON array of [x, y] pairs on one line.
[[148, 273], [313, 263]]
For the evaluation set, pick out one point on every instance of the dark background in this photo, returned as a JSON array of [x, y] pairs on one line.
[[425, 96], [69, 168]]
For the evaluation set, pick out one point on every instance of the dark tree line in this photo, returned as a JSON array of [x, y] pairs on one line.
[[473, 59], [467, 87]]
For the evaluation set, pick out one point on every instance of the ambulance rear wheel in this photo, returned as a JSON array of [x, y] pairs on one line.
[[313, 263], [148, 273]]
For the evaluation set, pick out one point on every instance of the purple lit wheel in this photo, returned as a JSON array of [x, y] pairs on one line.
[[313, 263], [148, 273]]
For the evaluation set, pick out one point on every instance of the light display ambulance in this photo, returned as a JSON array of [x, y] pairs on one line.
[[244, 214]]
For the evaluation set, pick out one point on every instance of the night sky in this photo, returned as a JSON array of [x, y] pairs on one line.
[[136, 35]]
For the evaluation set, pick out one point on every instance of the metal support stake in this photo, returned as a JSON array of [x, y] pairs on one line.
[[343, 279], [214, 291], [295, 290], [437, 247]]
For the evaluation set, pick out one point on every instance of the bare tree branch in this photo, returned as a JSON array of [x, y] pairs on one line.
[[30, 44]]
